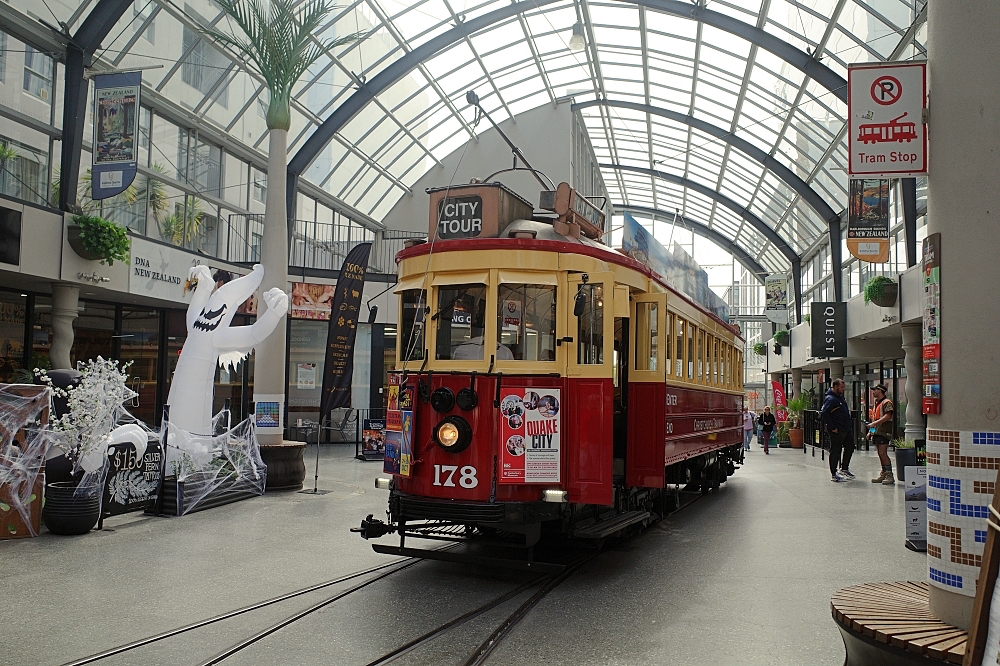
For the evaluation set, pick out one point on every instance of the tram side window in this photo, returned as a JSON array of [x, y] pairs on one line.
[[679, 349], [668, 342], [461, 318], [414, 302], [691, 330], [700, 377], [527, 322], [646, 336], [590, 326], [716, 370]]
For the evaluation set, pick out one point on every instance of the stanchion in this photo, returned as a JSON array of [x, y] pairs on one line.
[[315, 489]]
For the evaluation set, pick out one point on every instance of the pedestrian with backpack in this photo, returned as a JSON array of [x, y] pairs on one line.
[[836, 417]]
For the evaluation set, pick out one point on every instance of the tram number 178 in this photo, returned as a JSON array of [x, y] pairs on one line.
[[466, 476]]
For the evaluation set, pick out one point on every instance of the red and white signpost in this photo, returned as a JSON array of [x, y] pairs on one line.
[[886, 133]]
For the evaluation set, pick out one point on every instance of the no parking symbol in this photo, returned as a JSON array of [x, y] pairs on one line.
[[886, 90]]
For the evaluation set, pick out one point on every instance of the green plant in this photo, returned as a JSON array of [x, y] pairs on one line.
[[903, 443], [875, 288], [760, 348], [783, 428], [128, 196], [7, 153], [105, 239], [796, 406], [781, 336], [807, 318], [182, 225]]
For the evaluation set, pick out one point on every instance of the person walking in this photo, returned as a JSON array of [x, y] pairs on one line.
[[747, 428], [836, 416], [766, 427], [880, 428]]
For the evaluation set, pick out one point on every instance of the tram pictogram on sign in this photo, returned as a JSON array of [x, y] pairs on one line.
[[887, 136]]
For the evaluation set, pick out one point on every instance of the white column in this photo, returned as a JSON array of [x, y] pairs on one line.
[[836, 370], [913, 361], [964, 206], [796, 382], [65, 301]]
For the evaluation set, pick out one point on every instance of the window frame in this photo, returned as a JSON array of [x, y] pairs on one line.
[[659, 301]]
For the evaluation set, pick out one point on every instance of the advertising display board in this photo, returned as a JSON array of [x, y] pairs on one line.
[[868, 219], [373, 439], [916, 508], [931, 403], [530, 432], [116, 132], [338, 368], [776, 299], [398, 433], [886, 135], [780, 404]]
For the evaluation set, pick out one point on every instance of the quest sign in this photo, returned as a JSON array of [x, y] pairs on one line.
[[829, 329]]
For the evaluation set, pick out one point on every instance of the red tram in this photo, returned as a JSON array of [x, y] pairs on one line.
[[546, 383]]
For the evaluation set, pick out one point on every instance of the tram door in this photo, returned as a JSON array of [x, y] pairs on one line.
[[621, 361]]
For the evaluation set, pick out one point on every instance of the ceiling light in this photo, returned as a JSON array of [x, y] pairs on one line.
[[576, 42]]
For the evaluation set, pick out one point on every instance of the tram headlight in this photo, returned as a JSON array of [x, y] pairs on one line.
[[453, 434], [442, 399]]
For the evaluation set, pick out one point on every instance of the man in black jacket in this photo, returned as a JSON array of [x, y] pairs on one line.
[[837, 422], [766, 427]]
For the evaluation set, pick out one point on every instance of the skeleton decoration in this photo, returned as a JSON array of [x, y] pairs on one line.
[[212, 341]]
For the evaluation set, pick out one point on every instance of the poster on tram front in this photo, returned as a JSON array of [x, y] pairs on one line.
[[530, 430]]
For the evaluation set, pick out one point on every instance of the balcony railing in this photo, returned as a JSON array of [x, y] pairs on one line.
[[315, 244]]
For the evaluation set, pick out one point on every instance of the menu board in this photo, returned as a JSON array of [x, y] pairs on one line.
[[398, 434], [132, 482], [530, 432]]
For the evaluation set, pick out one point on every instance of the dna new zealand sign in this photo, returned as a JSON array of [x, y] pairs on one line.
[[829, 330]]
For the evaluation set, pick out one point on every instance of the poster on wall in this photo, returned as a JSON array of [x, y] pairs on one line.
[[312, 301], [776, 299], [267, 416], [916, 508], [116, 131], [931, 402], [868, 219], [373, 439], [780, 406], [305, 376], [398, 433], [530, 428]]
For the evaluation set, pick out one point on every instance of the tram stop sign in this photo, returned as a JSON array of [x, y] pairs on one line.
[[887, 137]]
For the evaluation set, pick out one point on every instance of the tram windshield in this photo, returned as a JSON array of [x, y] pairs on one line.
[[526, 327], [461, 317]]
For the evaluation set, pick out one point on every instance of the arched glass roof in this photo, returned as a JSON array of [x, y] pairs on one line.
[[658, 53]]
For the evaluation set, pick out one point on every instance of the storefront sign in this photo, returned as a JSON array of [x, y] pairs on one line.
[[776, 299], [338, 369], [931, 402], [868, 220], [916, 508], [398, 433], [132, 482], [312, 301], [780, 411], [160, 271], [116, 131], [530, 431], [829, 329], [886, 134], [460, 217], [373, 439]]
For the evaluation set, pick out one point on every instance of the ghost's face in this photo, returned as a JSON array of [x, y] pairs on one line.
[[226, 299]]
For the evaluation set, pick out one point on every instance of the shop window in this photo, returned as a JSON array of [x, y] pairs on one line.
[[461, 317], [12, 313], [590, 326], [37, 73], [140, 345], [646, 336], [679, 349], [414, 304], [306, 357], [526, 327]]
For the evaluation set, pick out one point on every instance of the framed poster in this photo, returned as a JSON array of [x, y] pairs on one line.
[[530, 433], [116, 132], [868, 220]]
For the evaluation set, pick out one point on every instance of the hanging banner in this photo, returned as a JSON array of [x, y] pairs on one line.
[[530, 428], [339, 367], [776, 299], [868, 220], [780, 406], [398, 433], [931, 403], [886, 134], [116, 132], [828, 322]]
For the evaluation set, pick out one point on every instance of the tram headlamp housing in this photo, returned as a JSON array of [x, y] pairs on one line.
[[453, 434], [442, 399]]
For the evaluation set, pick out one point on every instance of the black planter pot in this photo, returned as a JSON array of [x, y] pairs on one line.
[[74, 236], [888, 298], [904, 458], [65, 514], [286, 469]]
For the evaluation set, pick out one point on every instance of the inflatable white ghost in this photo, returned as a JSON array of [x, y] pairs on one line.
[[212, 341]]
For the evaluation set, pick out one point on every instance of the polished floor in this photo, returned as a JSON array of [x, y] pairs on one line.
[[743, 576]]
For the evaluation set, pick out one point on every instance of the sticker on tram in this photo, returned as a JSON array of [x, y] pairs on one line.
[[530, 431]]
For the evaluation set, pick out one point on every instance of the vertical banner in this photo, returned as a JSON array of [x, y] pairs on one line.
[[398, 434], [931, 402], [828, 322], [868, 220], [530, 427], [916, 508], [116, 133], [776, 299], [780, 405], [339, 367]]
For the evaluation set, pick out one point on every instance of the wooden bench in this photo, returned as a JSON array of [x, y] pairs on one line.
[[891, 623]]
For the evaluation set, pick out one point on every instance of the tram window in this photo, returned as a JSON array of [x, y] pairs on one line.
[[461, 317], [691, 329], [414, 302], [646, 336], [527, 322], [700, 377], [679, 349], [590, 326], [668, 341]]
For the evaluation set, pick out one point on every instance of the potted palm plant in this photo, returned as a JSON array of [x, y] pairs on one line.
[[795, 408], [906, 455], [881, 291]]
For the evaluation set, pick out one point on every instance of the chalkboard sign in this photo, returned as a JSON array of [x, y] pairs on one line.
[[132, 483]]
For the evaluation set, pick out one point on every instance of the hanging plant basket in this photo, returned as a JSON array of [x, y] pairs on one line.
[[96, 239], [74, 234], [781, 337], [760, 348], [881, 291]]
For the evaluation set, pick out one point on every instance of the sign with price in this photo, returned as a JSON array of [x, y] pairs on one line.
[[132, 482]]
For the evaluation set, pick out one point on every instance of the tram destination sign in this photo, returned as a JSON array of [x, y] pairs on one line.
[[886, 134], [460, 217]]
